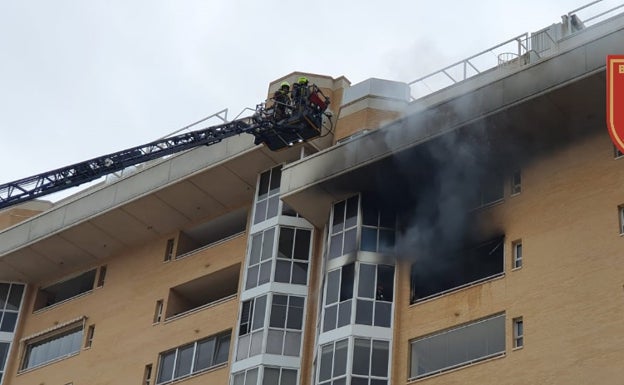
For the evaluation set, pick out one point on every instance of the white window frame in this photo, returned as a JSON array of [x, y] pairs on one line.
[[516, 252], [516, 182], [268, 261], [518, 333]]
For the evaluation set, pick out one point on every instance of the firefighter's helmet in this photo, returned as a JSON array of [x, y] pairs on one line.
[[302, 80], [285, 85]]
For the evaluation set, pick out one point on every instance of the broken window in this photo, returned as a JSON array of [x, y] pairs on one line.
[[459, 346], [201, 292], [437, 274]]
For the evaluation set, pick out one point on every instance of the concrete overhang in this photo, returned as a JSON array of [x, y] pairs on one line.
[[549, 101], [160, 198]]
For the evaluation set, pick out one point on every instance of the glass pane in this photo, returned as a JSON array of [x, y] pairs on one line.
[[378, 382], [333, 283], [340, 358], [276, 176], [292, 345], [273, 206], [258, 314], [359, 381], [369, 239], [246, 311], [263, 186], [275, 341], [256, 247], [335, 246], [352, 211], [350, 241], [252, 277], [271, 376], [340, 381], [184, 361], [327, 354], [385, 283], [267, 246], [282, 271], [256, 343], [289, 377], [366, 281], [260, 213], [264, 275], [286, 239], [223, 349], [15, 297], [364, 312], [239, 379], [329, 320], [252, 377], [165, 368], [4, 352], [361, 356], [344, 313], [379, 361], [383, 314], [278, 311], [386, 241], [338, 222], [205, 354], [243, 347], [302, 244], [300, 273], [8, 322], [295, 313], [4, 292], [346, 283]]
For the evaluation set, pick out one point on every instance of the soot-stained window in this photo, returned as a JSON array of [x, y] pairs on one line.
[[440, 273]]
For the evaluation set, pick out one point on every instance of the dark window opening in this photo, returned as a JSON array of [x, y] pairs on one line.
[[433, 275], [64, 290], [211, 232], [339, 297], [203, 291]]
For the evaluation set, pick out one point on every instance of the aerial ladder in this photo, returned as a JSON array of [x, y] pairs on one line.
[[297, 122]]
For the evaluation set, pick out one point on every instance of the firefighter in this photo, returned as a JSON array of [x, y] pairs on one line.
[[300, 92], [282, 101]]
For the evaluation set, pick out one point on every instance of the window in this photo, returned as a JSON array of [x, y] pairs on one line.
[[343, 231], [621, 212], [147, 374], [338, 297], [260, 253], [101, 276], [518, 333], [203, 291], [444, 271], [65, 290], [516, 183], [158, 311], [285, 325], [377, 228], [193, 358], [517, 254], [251, 328], [370, 362], [267, 200], [10, 301], [90, 333], [293, 252], [459, 346], [266, 376], [52, 346], [4, 355], [169, 249], [374, 296], [333, 366], [491, 190]]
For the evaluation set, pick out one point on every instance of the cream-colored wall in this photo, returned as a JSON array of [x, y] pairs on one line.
[[568, 291], [122, 310], [366, 119]]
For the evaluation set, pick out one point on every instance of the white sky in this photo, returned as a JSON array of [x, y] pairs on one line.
[[80, 79]]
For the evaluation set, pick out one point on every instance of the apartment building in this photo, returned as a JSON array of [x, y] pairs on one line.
[[471, 235]]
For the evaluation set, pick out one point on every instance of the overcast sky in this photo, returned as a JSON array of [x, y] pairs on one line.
[[80, 79]]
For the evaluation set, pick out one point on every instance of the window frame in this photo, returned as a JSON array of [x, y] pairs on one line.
[[262, 235], [9, 312], [252, 329], [73, 329], [263, 200], [516, 254], [292, 260], [621, 217], [339, 303], [286, 329], [518, 333], [516, 183]]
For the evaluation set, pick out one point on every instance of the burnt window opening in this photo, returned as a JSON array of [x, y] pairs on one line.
[[209, 233], [516, 183], [437, 274], [202, 291], [65, 290], [491, 190]]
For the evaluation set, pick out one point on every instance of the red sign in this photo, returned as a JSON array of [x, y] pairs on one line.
[[615, 99]]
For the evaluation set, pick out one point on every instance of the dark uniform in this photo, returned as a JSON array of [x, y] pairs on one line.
[[282, 101]]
